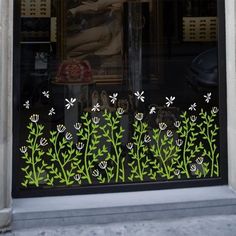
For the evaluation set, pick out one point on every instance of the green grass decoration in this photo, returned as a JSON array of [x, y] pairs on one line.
[[100, 156]]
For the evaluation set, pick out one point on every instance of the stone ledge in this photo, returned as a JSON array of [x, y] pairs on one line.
[[118, 207], [5, 219]]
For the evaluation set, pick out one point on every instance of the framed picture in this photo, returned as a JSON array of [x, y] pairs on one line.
[[91, 31]]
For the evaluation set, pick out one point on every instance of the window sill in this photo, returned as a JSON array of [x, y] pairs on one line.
[[116, 207]]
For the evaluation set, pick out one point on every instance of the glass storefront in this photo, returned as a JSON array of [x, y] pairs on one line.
[[116, 95]]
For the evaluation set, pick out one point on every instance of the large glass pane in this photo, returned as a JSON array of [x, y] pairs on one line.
[[117, 92]]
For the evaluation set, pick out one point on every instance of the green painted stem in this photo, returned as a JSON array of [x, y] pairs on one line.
[[184, 156], [33, 159], [138, 154], [57, 152], [85, 157]]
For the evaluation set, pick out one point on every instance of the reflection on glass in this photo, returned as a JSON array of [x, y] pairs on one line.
[[126, 93]]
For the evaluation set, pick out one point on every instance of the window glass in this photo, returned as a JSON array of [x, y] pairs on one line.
[[117, 92]]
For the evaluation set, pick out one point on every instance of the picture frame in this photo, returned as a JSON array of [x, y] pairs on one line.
[[92, 31]]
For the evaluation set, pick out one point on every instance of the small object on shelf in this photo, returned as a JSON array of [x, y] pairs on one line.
[[199, 29], [38, 8], [74, 71]]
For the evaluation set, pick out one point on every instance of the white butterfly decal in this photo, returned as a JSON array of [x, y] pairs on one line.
[[152, 110], [169, 101], [51, 112], [70, 103], [113, 97], [27, 104], [140, 96], [46, 94]]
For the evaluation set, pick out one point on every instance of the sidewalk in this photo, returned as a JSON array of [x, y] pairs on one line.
[[224, 225]]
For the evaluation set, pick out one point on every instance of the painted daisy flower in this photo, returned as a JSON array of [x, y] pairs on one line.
[[193, 168], [214, 110], [170, 101], [179, 142], [140, 96], [78, 126], [177, 172], [147, 139], [162, 126], [169, 133], [43, 142], [23, 149], [103, 165], [68, 136], [120, 110], [61, 128], [113, 97], [77, 177], [34, 118], [177, 124], [95, 173], [96, 120], [193, 118], [139, 116], [79, 146], [199, 160], [129, 146]]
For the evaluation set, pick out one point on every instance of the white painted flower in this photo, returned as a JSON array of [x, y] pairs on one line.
[[199, 160], [179, 142], [129, 146], [193, 118], [139, 116], [193, 107], [177, 172], [79, 146], [147, 139], [34, 118], [43, 142], [77, 177], [23, 149], [96, 120], [113, 97], [152, 110], [177, 124], [46, 94], [103, 165], [140, 96], [51, 112], [193, 167], [68, 136], [169, 133], [61, 128], [207, 97], [170, 101], [78, 126], [27, 104], [120, 110], [96, 107], [95, 173], [162, 126], [70, 103], [215, 110]]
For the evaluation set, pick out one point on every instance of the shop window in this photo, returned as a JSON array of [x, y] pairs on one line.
[[115, 95]]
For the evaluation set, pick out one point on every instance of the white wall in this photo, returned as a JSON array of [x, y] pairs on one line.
[[230, 15], [6, 36]]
